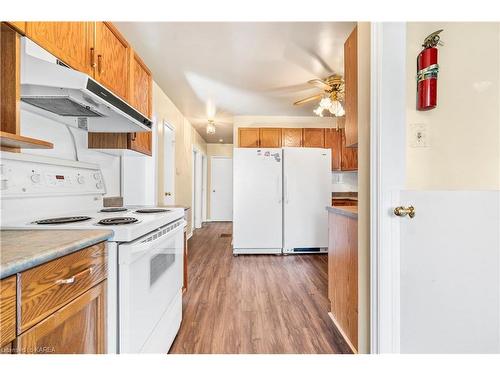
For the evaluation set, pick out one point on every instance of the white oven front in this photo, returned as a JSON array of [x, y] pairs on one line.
[[149, 287]]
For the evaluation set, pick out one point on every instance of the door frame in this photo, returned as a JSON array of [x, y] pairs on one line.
[[211, 182], [387, 178], [167, 125], [197, 153]]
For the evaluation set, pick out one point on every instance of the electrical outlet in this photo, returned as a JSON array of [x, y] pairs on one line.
[[419, 135]]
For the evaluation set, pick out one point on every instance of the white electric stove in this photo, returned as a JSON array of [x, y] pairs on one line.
[[145, 253]]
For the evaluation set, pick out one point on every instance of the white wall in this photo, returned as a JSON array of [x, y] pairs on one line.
[[344, 181], [36, 126], [464, 131]]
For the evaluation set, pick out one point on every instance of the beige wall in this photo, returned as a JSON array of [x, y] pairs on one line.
[[186, 137], [464, 129], [364, 187], [215, 149]]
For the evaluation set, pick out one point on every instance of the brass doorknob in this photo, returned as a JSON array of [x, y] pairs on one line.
[[168, 194], [403, 211]]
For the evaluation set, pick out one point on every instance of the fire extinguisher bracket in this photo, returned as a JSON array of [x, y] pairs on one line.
[[430, 72]]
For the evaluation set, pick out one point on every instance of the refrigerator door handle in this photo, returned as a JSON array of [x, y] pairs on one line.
[[278, 189], [286, 189]]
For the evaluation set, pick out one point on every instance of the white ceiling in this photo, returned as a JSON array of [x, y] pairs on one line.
[[225, 69]]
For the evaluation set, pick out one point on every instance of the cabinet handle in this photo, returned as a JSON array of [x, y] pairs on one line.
[[92, 57], [99, 64], [134, 135], [71, 280]]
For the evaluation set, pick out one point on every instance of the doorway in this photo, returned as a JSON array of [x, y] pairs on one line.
[[435, 212], [169, 164], [221, 189], [199, 188]]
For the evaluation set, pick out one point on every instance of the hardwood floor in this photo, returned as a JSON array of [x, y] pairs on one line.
[[254, 304]]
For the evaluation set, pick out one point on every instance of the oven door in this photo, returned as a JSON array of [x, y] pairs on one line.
[[150, 276]]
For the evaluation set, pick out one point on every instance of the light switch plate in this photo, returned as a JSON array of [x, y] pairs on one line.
[[419, 135]]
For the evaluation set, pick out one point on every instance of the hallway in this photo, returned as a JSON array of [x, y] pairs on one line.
[[253, 304]]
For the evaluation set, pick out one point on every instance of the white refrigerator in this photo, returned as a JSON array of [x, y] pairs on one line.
[[280, 197]]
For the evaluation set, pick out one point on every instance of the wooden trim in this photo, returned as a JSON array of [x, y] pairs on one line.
[[19, 26], [343, 334], [10, 78], [13, 141]]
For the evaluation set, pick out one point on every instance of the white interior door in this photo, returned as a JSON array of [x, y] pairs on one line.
[[221, 192], [168, 165], [434, 276]]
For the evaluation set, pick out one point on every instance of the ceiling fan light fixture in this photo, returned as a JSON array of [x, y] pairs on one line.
[[325, 102], [211, 127], [318, 111]]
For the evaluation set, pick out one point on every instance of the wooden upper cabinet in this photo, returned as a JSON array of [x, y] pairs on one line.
[[112, 59], [270, 137], [70, 42], [291, 137], [248, 137], [19, 26], [351, 88], [77, 328], [141, 85], [349, 160], [313, 137], [333, 141], [141, 88]]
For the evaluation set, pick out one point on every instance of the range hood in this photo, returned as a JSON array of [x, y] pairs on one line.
[[51, 89]]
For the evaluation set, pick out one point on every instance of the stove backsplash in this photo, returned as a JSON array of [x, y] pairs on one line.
[[344, 181]]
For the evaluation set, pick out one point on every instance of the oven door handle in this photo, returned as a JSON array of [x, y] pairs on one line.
[[137, 249]]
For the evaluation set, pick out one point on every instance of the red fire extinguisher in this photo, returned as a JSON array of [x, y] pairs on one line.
[[427, 73]]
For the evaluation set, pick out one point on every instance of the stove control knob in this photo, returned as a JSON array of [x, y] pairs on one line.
[[97, 176], [80, 180], [98, 185], [35, 177]]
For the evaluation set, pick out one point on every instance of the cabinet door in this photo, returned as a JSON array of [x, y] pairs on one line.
[[141, 99], [270, 137], [77, 328], [333, 141], [70, 42], [351, 88], [291, 137], [140, 142], [349, 156], [112, 66], [141, 83], [313, 137], [248, 137], [7, 310]]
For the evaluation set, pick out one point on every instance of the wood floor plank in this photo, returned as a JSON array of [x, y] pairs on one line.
[[254, 303]]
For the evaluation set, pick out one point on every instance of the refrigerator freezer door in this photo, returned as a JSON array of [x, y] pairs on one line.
[[307, 192], [257, 199]]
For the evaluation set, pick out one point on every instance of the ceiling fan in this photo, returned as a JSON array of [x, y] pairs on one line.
[[331, 97]]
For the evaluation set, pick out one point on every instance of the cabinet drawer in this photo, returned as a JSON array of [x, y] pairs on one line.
[[46, 288], [7, 310]]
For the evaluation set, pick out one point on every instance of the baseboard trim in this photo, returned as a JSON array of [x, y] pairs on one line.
[[344, 336]]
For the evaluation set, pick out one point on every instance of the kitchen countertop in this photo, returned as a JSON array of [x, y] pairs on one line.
[[351, 211], [24, 249]]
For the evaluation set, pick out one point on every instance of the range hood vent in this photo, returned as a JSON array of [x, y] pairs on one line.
[[60, 105], [53, 90]]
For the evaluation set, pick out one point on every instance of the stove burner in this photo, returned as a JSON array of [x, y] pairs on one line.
[[63, 220], [118, 220], [114, 209], [151, 210]]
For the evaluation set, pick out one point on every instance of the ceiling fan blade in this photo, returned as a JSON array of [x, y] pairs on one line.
[[309, 99], [320, 84]]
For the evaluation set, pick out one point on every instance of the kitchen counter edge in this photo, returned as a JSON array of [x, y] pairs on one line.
[[351, 211], [57, 244]]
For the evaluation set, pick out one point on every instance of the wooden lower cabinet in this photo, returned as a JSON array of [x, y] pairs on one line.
[[7, 311], [77, 328], [343, 275]]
